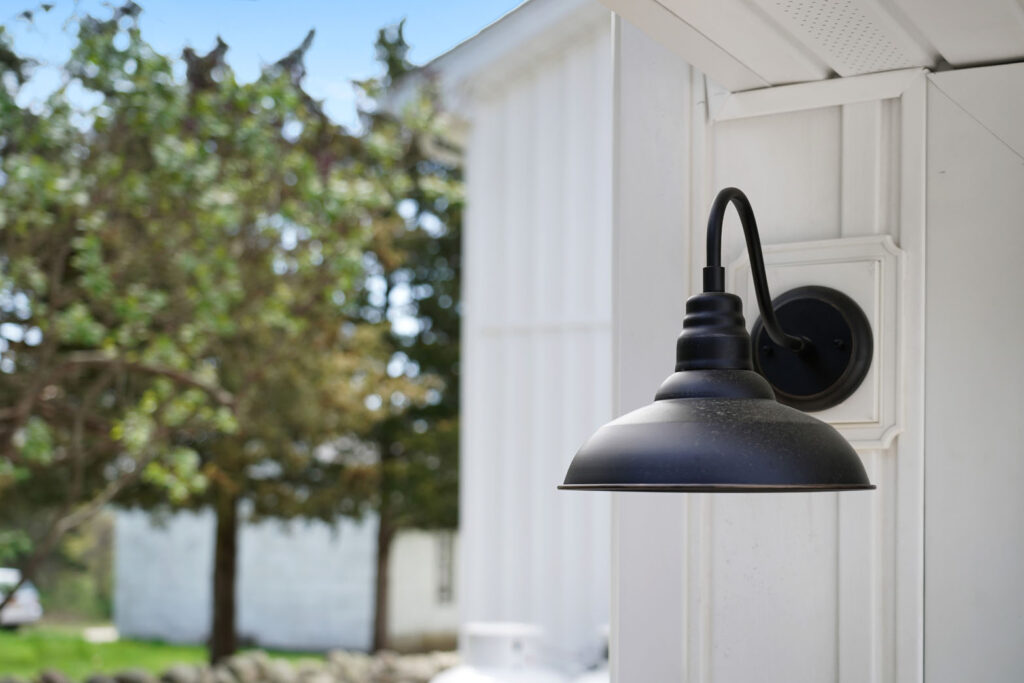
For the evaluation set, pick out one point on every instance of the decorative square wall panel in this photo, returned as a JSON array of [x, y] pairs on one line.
[[868, 270]]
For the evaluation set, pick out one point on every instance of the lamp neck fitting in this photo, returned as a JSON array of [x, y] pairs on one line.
[[714, 334]]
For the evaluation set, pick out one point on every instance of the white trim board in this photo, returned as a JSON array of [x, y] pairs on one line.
[[803, 96]]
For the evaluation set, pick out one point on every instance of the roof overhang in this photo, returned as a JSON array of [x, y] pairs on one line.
[[740, 45], [748, 44]]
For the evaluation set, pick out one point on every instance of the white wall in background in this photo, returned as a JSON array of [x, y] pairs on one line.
[[301, 585], [537, 340], [163, 584], [304, 585], [422, 585]]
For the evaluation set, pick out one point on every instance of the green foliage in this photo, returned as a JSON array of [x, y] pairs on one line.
[[184, 272], [392, 52], [75, 582], [13, 544], [35, 444], [412, 277]]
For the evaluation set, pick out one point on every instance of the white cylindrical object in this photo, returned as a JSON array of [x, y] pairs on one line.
[[499, 652]]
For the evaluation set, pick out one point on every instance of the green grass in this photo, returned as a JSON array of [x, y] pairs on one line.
[[28, 651]]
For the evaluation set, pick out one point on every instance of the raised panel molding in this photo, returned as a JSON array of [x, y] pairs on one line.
[[869, 270]]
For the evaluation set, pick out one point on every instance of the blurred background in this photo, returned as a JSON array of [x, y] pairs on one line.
[[229, 339]]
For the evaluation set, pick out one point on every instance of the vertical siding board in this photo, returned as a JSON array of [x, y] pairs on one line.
[[562, 343], [545, 206], [558, 344], [582, 140], [891, 176], [697, 569], [547, 178], [577, 193], [858, 578], [862, 173], [520, 273], [483, 179], [601, 177], [585, 161], [598, 510], [909, 517]]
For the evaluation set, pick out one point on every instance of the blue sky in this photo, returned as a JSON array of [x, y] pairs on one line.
[[262, 31]]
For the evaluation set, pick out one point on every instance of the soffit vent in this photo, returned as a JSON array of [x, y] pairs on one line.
[[851, 36]]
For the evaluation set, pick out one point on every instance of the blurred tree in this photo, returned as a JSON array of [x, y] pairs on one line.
[[411, 289], [185, 315]]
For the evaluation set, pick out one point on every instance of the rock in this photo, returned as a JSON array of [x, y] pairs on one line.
[[11, 679], [446, 660], [415, 668], [279, 671], [388, 667], [322, 676], [100, 678], [222, 674], [312, 671], [52, 676], [350, 667], [246, 667], [134, 676], [181, 673]]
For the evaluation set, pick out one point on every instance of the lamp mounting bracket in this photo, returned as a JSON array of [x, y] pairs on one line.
[[833, 362]]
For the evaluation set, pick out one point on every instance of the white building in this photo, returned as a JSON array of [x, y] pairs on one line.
[[883, 158], [301, 585]]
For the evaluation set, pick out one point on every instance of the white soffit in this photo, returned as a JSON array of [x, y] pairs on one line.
[[970, 32], [746, 44]]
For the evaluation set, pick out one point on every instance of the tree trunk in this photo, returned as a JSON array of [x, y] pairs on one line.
[[225, 566], [385, 534]]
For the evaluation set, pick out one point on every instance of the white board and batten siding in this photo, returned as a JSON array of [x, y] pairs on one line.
[[537, 340], [902, 190], [813, 587]]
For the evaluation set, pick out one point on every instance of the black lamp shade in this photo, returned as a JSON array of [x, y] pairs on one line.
[[740, 439], [715, 426]]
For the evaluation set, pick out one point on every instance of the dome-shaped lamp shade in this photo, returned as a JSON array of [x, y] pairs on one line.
[[715, 426], [725, 432]]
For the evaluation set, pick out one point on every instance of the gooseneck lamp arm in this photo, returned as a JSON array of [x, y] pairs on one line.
[[714, 273]]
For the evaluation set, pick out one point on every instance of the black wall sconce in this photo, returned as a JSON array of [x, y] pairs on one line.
[[716, 425]]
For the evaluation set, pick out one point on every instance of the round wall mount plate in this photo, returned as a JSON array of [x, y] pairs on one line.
[[836, 358]]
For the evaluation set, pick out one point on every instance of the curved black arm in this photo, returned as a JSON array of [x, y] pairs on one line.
[[714, 273]]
